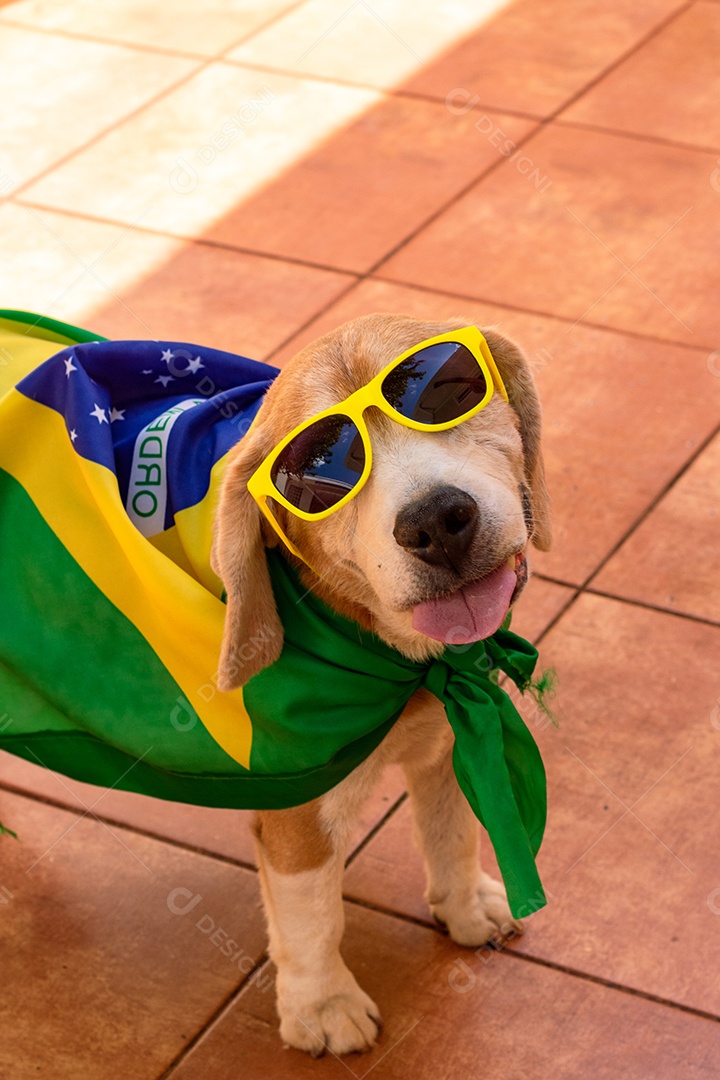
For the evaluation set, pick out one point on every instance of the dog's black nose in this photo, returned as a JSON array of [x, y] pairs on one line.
[[438, 528]]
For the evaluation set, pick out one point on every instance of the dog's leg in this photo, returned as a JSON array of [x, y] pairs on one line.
[[301, 865], [469, 902]]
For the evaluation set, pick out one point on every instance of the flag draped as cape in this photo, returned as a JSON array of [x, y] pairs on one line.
[[111, 455]]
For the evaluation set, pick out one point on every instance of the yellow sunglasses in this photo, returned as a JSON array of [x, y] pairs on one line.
[[325, 461]]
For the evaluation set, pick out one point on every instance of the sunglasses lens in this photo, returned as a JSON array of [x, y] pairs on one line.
[[435, 385], [320, 465]]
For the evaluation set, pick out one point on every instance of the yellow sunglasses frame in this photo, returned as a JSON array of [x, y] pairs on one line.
[[260, 484]]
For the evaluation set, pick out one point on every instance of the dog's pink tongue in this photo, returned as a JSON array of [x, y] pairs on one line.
[[471, 614]]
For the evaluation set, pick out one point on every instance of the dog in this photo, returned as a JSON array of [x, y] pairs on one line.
[[439, 511]]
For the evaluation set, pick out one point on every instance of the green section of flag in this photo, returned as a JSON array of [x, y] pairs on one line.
[[84, 693], [71, 659], [42, 326]]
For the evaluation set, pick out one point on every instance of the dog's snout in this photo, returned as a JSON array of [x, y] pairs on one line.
[[438, 528]]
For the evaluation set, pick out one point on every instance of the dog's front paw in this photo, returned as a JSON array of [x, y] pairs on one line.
[[483, 917], [344, 1021]]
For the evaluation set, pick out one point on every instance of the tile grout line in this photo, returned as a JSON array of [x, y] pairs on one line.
[[703, 445], [225, 1007], [312, 318], [584, 588], [622, 988], [653, 33], [139, 830], [359, 277], [570, 602], [400, 92], [215, 1018], [446, 206], [563, 969], [181, 238], [702, 620], [389, 813], [541, 126], [76, 35], [205, 63], [264, 960], [370, 272], [140, 46], [542, 123], [553, 117], [387, 91], [366, 905], [636, 136], [539, 313], [394, 91], [94, 139], [527, 957], [186, 845]]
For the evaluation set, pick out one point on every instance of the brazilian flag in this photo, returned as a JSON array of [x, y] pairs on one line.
[[111, 458], [111, 618]]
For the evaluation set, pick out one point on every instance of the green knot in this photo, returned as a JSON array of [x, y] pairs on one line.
[[471, 660], [496, 761], [482, 662]]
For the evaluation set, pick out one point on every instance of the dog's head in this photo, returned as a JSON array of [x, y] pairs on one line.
[[432, 549]]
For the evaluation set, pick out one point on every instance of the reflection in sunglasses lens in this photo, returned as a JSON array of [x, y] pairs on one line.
[[436, 384], [320, 465]]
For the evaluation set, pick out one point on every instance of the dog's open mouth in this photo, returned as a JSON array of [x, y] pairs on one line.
[[475, 611]]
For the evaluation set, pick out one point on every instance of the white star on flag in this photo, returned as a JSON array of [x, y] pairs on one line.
[[167, 355], [99, 414], [73, 435], [164, 379], [69, 366], [147, 371], [194, 365], [116, 414]]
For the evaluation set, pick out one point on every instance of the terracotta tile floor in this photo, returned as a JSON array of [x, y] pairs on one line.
[[248, 176]]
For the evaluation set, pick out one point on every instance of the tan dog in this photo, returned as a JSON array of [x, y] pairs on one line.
[[375, 567]]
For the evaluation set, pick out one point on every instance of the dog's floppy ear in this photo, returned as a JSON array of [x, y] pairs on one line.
[[253, 635], [523, 396]]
